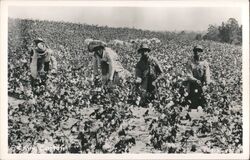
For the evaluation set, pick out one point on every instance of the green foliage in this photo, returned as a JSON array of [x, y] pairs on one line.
[[228, 32], [77, 115]]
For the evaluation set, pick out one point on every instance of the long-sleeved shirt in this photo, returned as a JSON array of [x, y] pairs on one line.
[[145, 66], [148, 67], [199, 70], [42, 64], [109, 63]]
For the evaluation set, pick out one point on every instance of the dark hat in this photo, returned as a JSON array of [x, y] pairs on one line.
[[96, 43], [38, 40], [145, 47], [198, 48]]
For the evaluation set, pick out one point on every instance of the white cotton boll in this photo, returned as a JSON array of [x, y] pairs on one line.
[[216, 112], [106, 146], [204, 88], [223, 140], [137, 103], [186, 94], [162, 116], [138, 98], [112, 121], [171, 103], [237, 141], [124, 125], [200, 110], [205, 149], [150, 105]]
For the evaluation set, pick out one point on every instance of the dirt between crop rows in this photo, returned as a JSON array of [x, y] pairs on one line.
[[140, 131]]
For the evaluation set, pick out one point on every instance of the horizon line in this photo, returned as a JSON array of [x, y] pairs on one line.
[[98, 25]]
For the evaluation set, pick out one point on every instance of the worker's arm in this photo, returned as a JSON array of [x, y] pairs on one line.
[[53, 60], [54, 63], [138, 74], [158, 67], [95, 66], [33, 65], [207, 72], [189, 73], [111, 67], [50, 57], [159, 71]]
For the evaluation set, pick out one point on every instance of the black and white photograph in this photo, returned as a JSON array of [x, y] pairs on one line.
[[126, 79]]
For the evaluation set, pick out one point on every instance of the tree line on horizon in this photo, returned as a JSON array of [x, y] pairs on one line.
[[228, 32]]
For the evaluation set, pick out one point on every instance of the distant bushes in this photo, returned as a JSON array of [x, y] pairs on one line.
[[228, 32]]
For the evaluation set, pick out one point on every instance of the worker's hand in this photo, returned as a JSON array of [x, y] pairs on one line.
[[138, 80], [35, 55]]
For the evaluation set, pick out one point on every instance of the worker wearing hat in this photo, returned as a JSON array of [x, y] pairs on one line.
[[41, 58], [148, 70], [112, 70], [198, 75]]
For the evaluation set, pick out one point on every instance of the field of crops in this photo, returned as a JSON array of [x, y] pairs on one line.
[[76, 116]]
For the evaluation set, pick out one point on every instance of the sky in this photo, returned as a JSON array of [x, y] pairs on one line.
[[149, 18]]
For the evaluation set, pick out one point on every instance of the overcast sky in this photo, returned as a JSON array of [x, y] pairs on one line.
[[177, 18]]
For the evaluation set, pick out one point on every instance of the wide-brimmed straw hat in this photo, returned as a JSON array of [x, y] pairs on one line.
[[38, 40], [95, 44], [144, 47], [40, 46], [198, 48]]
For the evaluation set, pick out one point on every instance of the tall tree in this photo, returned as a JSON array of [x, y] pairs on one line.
[[213, 33], [229, 32]]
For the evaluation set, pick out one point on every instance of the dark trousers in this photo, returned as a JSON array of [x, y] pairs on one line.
[[150, 90], [196, 95]]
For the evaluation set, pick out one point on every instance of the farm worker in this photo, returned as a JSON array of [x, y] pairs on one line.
[[198, 75], [41, 62], [148, 70], [108, 60]]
